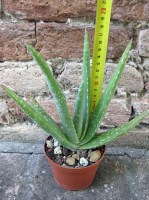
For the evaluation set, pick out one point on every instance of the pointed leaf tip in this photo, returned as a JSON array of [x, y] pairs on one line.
[[27, 46], [30, 49], [85, 31], [3, 86], [85, 35]]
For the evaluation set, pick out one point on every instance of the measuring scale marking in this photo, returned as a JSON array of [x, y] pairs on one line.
[[103, 14]]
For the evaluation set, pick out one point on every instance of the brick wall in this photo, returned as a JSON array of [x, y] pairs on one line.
[[55, 29]]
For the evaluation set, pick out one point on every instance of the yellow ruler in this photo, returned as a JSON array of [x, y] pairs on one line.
[[103, 15]]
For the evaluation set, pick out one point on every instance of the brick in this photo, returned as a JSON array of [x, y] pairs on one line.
[[14, 114], [31, 133], [118, 113], [145, 65], [60, 40], [50, 107], [143, 43], [4, 115], [48, 10], [137, 138], [24, 78], [0, 9], [53, 40], [140, 105], [127, 11], [70, 78], [12, 40], [147, 86], [118, 40], [24, 132], [131, 81]]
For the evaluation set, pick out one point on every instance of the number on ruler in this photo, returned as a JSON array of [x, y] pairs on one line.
[[100, 47], [103, 11], [96, 83]]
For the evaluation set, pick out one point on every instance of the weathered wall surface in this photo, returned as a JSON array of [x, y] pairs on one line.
[[56, 29]]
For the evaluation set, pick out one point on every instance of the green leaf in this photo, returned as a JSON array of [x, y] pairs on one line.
[[59, 98], [78, 111], [42, 120], [37, 106], [112, 135], [86, 82], [82, 104], [101, 108]]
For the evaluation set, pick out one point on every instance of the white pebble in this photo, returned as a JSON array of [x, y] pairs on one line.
[[55, 143], [94, 156], [105, 185], [49, 144], [76, 156], [70, 161], [83, 161], [58, 150]]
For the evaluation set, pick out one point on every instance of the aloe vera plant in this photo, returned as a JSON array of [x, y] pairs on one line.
[[79, 131]]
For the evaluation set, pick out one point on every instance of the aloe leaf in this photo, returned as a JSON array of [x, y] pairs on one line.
[[86, 81], [112, 135], [37, 106], [82, 104], [78, 111], [101, 108], [60, 100], [41, 119]]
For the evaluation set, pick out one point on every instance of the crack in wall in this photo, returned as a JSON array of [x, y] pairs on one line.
[[35, 32], [0, 9]]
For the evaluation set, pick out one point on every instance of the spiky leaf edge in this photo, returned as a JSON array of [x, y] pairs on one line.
[[86, 89], [82, 103], [40, 119], [114, 134], [60, 100], [78, 111], [101, 108]]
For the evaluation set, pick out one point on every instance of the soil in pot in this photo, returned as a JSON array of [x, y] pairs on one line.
[[72, 170], [73, 159]]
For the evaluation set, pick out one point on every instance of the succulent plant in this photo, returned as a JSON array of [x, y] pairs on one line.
[[79, 131]]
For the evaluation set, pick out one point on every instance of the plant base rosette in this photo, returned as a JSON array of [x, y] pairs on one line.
[[70, 178]]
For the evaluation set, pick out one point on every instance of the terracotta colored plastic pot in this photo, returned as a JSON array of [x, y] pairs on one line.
[[73, 178]]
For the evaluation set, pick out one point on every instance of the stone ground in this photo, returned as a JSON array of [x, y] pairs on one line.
[[26, 175]]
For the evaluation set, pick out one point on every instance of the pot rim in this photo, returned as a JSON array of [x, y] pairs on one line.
[[73, 168]]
